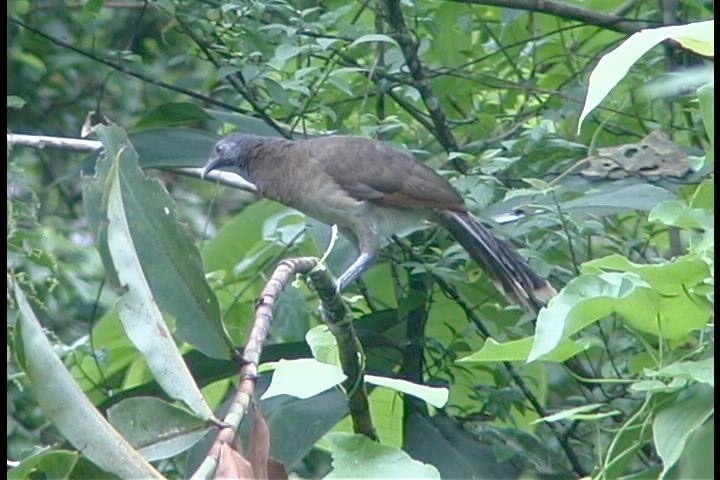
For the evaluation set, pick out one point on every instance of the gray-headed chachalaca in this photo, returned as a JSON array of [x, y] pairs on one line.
[[371, 191]]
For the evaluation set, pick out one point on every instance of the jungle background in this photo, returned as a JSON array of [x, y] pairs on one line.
[[486, 92]]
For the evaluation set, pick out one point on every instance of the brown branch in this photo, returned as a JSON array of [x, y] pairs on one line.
[[569, 12], [335, 316], [409, 47]]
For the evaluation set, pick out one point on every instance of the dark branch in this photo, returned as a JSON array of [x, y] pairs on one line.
[[569, 12], [409, 47]]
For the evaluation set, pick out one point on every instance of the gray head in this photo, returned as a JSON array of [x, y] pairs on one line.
[[231, 154]]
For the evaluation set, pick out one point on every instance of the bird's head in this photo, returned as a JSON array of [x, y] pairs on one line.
[[231, 154]]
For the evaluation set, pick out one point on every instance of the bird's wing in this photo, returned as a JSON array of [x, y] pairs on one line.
[[369, 170]]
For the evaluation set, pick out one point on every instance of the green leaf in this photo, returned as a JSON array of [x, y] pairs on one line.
[[702, 371], [435, 396], [706, 96], [49, 463], [578, 413], [138, 308], [613, 66], [171, 114], [356, 456], [374, 37], [518, 350], [173, 147], [581, 302], [75, 417], [658, 299], [677, 213], [323, 345], [674, 424], [13, 101], [155, 428], [237, 236], [93, 6], [303, 378], [286, 52], [666, 277], [456, 453], [147, 229]]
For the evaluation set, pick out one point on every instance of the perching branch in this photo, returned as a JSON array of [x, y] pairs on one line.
[[82, 145], [335, 316]]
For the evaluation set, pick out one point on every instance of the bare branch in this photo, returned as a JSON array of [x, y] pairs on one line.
[[82, 145], [570, 12]]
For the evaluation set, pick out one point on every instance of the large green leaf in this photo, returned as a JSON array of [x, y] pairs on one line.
[[675, 423], [357, 456], [613, 66], [68, 408], [166, 253]]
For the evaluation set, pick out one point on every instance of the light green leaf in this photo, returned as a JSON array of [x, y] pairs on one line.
[[435, 396], [172, 114], [303, 378], [613, 66], [706, 96], [68, 408], [157, 429], [139, 312], [518, 350], [701, 371], [285, 52], [374, 37], [674, 424], [356, 456], [13, 101], [323, 345], [49, 463], [578, 413], [677, 213]]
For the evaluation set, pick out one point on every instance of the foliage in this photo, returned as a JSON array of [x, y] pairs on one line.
[[615, 379]]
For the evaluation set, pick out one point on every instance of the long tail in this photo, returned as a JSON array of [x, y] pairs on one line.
[[508, 270]]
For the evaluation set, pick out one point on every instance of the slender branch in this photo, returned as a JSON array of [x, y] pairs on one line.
[[126, 71], [409, 47], [335, 315], [82, 145], [570, 12]]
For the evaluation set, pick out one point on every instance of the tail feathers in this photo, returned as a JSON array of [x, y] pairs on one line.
[[508, 270]]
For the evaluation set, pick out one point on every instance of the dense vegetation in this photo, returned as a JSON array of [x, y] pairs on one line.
[[614, 379]]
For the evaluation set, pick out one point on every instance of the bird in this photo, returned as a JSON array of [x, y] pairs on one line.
[[372, 191]]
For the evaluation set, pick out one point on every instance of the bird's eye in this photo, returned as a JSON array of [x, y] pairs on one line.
[[219, 149]]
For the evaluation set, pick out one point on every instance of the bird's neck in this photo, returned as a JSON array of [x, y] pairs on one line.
[[270, 167]]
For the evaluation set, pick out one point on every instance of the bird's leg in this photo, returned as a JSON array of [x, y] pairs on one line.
[[358, 267]]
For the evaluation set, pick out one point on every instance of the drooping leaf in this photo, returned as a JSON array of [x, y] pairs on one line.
[[166, 256], [613, 66], [68, 408]]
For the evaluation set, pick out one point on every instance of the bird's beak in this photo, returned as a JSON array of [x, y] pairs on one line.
[[213, 164]]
